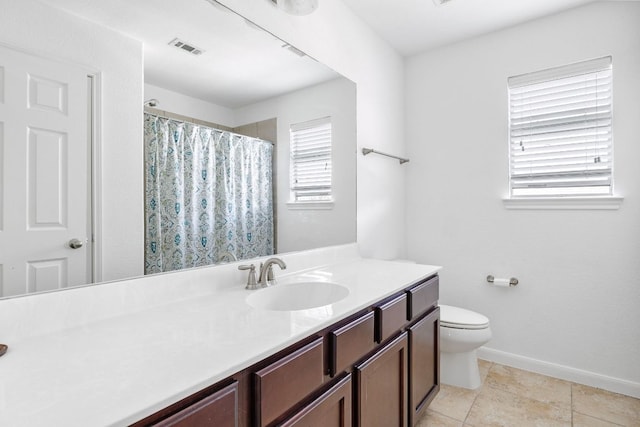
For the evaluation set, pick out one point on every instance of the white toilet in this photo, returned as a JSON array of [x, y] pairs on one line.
[[461, 333]]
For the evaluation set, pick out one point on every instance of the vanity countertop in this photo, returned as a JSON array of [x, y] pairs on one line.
[[115, 371]]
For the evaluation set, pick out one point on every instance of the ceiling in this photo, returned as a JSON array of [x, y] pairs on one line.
[[410, 26], [414, 26], [241, 64]]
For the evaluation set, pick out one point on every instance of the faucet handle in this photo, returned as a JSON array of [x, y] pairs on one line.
[[252, 283]]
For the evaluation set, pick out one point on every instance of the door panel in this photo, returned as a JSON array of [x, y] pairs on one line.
[[46, 275], [44, 174], [47, 190]]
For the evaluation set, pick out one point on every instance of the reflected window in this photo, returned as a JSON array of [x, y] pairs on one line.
[[310, 168]]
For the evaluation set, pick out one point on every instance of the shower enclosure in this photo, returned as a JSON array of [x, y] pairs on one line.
[[208, 195]]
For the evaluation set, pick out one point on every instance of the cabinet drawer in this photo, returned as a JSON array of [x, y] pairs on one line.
[[284, 383], [217, 410], [390, 317], [351, 342], [422, 297]]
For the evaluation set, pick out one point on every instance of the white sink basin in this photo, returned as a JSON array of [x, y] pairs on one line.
[[297, 296]]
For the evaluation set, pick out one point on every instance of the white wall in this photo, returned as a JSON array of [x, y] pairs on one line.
[[42, 30], [304, 229], [575, 312], [336, 37], [184, 105]]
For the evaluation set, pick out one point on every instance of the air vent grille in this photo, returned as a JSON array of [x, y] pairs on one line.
[[187, 47]]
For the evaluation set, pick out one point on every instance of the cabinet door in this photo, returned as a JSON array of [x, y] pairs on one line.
[[217, 410], [382, 388], [424, 345], [331, 409]]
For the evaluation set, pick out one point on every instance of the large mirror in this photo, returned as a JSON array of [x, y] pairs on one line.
[[192, 62]]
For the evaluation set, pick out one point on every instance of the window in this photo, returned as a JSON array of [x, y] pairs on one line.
[[560, 131], [310, 166]]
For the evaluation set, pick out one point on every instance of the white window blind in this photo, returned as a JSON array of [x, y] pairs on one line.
[[311, 161], [560, 131]]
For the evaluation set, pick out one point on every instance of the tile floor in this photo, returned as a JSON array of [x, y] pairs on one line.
[[513, 397]]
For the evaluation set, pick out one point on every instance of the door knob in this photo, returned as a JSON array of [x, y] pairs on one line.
[[75, 243]]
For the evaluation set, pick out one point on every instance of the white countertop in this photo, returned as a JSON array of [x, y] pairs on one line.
[[117, 370]]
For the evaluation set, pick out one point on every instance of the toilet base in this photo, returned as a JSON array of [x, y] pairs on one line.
[[460, 369]]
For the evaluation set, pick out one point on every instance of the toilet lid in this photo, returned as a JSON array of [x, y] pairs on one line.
[[456, 317]]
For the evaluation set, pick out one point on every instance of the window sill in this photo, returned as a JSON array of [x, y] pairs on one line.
[[564, 203], [310, 205]]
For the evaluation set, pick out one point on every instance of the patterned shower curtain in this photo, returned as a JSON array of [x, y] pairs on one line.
[[207, 192]]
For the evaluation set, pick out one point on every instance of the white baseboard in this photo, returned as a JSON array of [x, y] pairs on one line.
[[562, 372]]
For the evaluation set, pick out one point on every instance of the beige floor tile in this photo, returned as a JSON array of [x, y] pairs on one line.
[[434, 419], [484, 366], [605, 405], [581, 420], [454, 402], [531, 385], [494, 407]]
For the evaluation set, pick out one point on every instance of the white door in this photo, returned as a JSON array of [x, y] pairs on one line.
[[44, 175]]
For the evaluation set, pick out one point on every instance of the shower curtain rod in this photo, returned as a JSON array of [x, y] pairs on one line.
[[168, 115]]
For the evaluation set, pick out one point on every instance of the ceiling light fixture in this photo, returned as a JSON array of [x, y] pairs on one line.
[[297, 7], [440, 2]]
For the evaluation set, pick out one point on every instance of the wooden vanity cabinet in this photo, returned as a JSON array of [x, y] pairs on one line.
[[378, 367]]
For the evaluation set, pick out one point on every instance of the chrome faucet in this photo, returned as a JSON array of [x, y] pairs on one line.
[[267, 277]]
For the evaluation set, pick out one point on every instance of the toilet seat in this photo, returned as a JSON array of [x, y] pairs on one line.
[[459, 318]]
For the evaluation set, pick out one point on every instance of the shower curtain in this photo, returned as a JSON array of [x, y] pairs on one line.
[[207, 192]]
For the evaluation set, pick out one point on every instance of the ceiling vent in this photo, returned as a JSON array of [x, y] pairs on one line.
[[187, 47]]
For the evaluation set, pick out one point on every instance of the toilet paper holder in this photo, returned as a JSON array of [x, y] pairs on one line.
[[512, 281]]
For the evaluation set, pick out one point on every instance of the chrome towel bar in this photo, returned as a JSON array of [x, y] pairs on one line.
[[366, 151]]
